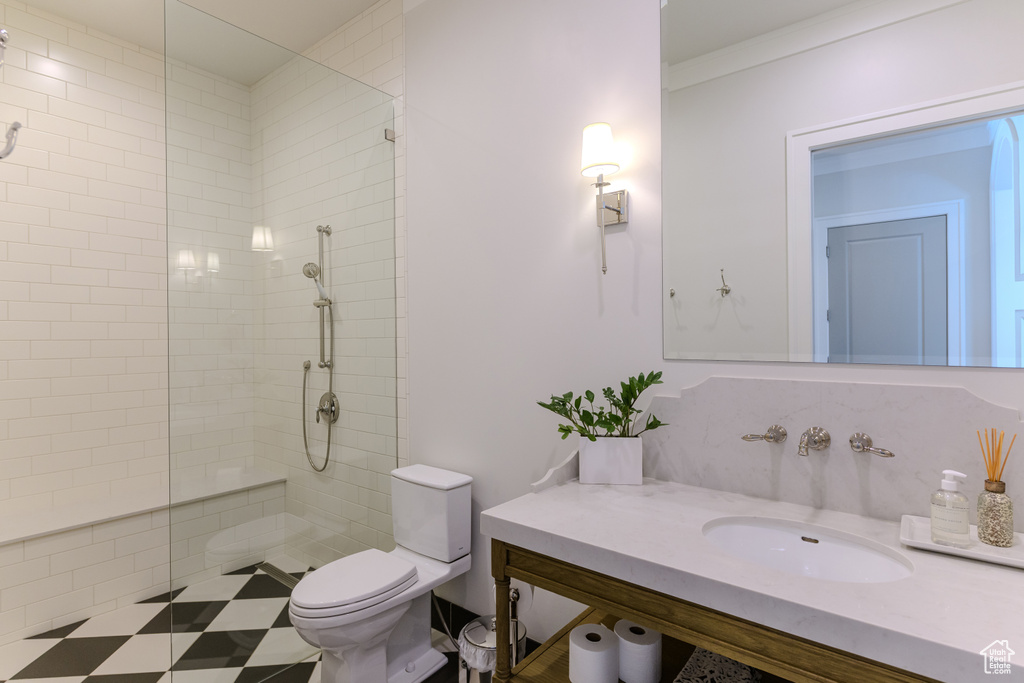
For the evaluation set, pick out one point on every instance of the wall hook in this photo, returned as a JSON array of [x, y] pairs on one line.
[[724, 289], [12, 139]]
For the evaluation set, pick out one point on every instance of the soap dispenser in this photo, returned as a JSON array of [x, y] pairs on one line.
[[950, 508]]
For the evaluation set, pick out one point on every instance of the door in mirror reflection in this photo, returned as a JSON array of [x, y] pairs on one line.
[[924, 230], [887, 292]]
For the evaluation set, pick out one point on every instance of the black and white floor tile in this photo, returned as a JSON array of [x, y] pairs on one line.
[[230, 629]]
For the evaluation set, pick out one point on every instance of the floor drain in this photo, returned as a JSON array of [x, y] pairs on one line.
[[277, 573]]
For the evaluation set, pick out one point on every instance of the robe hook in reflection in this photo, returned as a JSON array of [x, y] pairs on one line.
[[724, 289]]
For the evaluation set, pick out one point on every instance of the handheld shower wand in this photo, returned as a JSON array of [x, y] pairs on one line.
[[312, 271]]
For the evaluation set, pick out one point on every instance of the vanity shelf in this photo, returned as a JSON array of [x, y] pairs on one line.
[[798, 659], [550, 662]]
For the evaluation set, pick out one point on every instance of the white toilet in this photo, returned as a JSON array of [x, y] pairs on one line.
[[370, 612]]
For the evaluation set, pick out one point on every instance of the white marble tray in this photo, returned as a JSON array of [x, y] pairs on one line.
[[916, 532]]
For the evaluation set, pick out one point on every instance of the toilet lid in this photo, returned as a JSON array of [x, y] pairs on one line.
[[353, 579]]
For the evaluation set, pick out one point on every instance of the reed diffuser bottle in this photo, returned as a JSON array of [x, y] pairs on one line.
[[995, 509]]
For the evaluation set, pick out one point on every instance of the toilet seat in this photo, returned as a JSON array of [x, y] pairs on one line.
[[351, 584]]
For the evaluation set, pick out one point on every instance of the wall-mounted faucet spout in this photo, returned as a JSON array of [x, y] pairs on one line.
[[815, 438]]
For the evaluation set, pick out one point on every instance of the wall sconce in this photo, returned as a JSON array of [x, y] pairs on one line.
[[186, 260], [213, 262], [262, 238], [600, 159]]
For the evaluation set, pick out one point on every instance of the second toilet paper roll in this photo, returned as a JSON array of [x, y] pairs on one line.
[[593, 654], [639, 653]]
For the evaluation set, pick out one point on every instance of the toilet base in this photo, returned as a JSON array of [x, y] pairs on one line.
[[426, 664], [336, 670]]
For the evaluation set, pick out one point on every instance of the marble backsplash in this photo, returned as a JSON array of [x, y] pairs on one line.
[[928, 428]]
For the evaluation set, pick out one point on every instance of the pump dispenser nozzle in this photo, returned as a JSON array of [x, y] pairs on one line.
[[949, 483]]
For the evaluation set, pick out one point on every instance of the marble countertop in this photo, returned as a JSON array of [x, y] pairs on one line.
[[935, 622]]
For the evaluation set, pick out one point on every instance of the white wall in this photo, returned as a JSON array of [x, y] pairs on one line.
[[506, 300]]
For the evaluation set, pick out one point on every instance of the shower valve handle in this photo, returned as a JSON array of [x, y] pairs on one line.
[[328, 408]]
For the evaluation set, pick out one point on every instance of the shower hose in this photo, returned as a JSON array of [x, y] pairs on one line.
[[330, 389]]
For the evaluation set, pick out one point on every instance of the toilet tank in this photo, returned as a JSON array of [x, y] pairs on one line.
[[430, 511]]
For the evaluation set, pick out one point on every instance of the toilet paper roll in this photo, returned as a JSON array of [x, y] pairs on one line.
[[593, 654], [639, 653]]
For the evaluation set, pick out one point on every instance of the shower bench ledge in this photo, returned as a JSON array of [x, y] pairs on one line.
[[31, 524]]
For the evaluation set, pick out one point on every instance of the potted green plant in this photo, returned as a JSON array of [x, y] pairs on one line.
[[610, 447]]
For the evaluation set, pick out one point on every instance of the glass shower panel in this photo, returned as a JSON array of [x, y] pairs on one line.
[[270, 154]]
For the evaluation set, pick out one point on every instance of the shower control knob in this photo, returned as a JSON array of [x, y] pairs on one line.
[[328, 407]]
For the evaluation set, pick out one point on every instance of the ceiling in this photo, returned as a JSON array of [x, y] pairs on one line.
[[691, 28], [208, 43]]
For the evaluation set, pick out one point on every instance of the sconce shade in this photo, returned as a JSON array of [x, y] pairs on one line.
[[598, 151], [186, 260], [213, 262], [262, 238]]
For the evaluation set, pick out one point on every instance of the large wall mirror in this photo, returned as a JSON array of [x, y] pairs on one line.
[[842, 181]]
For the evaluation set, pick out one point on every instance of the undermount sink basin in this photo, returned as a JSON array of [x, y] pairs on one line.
[[807, 550]]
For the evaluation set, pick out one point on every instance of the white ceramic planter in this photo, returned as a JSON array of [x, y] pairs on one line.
[[611, 460]]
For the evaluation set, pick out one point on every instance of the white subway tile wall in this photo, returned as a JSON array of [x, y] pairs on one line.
[[83, 300], [83, 329], [320, 158], [371, 49], [210, 311]]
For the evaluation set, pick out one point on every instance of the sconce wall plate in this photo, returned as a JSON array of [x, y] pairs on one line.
[[616, 208]]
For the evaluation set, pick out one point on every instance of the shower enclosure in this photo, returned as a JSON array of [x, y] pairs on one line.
[[286, 167], [161, 209]]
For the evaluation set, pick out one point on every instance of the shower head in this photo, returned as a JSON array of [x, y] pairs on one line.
[[312, 271]]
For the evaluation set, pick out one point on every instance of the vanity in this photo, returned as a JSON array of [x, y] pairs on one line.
[[643, 553]]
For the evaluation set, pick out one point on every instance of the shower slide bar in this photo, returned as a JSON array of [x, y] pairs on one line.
[[328, 408], [12, 132]]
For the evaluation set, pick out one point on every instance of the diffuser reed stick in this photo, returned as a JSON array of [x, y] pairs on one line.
[[992, 452]]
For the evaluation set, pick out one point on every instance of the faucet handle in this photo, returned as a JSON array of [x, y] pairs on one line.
[[775, 434], [861, 443]]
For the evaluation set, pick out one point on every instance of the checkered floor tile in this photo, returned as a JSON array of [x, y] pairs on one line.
[[231, 629]]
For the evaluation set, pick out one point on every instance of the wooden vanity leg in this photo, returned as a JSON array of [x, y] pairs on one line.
[[502, 668]]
